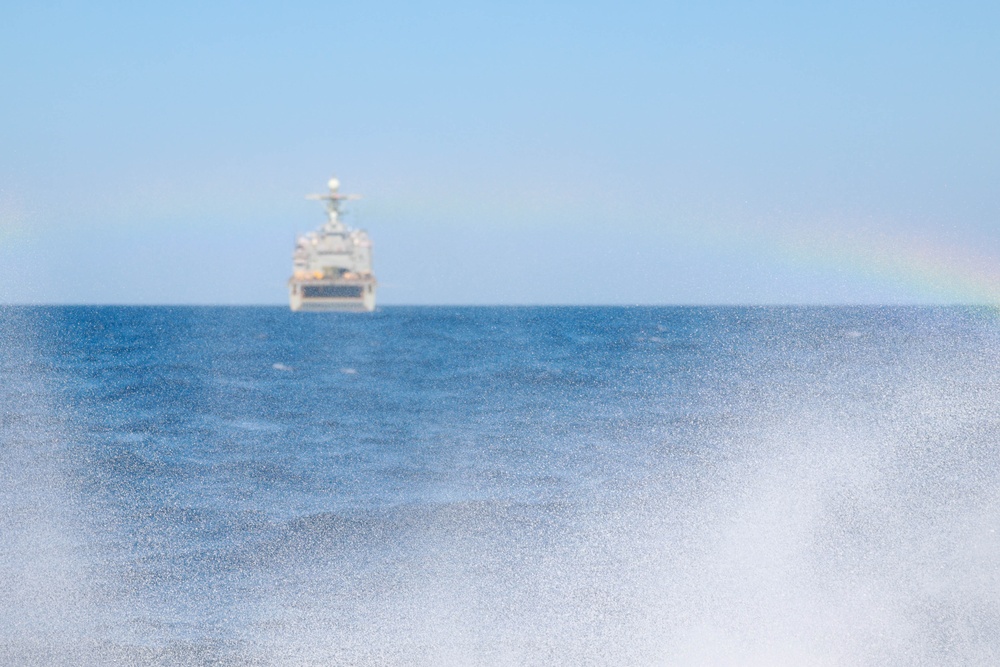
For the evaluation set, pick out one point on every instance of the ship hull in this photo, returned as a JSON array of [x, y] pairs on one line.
[[336, 296]]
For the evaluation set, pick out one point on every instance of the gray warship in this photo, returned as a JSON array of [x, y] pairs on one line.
[[332, 266]]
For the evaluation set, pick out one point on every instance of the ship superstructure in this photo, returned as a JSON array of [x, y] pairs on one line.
[[332, 266]]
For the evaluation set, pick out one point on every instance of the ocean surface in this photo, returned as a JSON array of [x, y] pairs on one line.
[[499, 486]]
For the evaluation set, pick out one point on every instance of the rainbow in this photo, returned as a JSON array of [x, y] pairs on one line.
[[941, 272]]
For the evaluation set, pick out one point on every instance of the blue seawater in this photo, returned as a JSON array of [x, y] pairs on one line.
[[499, 486]]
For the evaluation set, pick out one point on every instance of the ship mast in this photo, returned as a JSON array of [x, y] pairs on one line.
[[333, 199]]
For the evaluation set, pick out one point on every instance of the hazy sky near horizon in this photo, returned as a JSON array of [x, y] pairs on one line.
[[514, 153]]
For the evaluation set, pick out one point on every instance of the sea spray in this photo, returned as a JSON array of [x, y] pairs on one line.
[[840, 510], [512, 486], [48, 609]]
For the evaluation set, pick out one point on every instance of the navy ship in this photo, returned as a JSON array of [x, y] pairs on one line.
[[332, 266]]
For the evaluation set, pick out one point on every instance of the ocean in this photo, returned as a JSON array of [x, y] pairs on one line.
[[499, 486]]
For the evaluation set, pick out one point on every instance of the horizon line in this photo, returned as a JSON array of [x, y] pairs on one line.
[[529, 305]]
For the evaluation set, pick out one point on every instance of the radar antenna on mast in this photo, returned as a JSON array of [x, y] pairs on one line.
[[334, 194], [333, 199]]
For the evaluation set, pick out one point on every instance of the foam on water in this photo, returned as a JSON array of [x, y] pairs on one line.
[[791, 494]]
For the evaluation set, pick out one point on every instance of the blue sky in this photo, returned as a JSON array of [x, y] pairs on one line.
[[509, 153]]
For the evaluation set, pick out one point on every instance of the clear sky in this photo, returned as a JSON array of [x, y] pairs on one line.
[[516, 153]]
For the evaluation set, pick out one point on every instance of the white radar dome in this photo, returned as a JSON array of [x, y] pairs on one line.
[[333, 183]]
